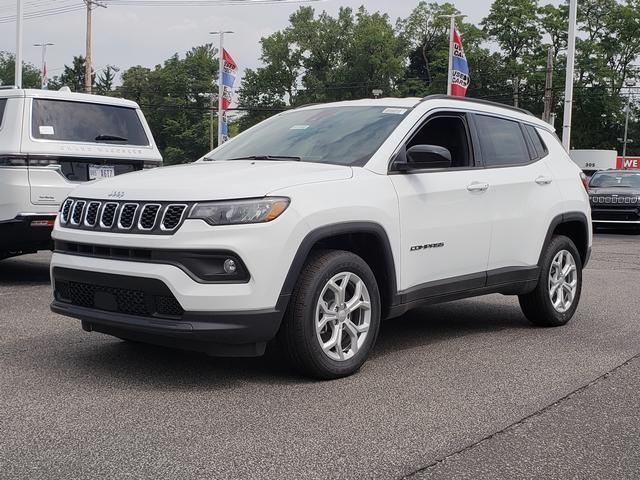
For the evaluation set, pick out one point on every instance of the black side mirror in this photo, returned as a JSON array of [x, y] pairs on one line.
[[426, 156]]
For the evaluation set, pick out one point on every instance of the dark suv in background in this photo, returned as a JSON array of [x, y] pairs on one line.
[[615, 199]]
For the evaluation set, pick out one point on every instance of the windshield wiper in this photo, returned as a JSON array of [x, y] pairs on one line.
[[268, 157], [112, 138]]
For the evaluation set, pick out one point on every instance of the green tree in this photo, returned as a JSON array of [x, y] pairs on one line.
[[31, 77], [105, 80]]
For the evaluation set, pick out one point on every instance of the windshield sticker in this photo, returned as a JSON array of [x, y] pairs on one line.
[[299, 127], [46, 130], [395, 111]]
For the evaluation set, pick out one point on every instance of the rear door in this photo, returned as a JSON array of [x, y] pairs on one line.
[[523, 195]]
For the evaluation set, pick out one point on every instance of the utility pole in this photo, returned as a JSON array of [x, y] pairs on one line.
[[220, 82], [629, 83], [452, 28], [548, 87], [91, 4], [18, 71], [568, 92], [44, 46]]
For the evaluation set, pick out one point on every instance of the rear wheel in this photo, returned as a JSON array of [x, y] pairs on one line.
[[556, 297], [334, 316]]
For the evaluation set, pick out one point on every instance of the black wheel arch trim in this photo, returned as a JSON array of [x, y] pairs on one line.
[[343, 228], [567, 217]]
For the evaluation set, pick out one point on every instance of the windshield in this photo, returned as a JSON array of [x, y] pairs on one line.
[[86, 122], [339, 135], [616, 179]]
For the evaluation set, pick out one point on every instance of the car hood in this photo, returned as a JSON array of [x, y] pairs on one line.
[[212, 181]]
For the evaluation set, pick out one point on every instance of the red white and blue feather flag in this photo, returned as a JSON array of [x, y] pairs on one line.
[[229, 74], [459, 67]]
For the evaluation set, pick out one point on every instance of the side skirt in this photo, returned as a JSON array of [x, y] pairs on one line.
[[507, 281]]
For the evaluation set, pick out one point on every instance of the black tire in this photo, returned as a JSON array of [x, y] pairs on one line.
[[297, 336], [537, 305]]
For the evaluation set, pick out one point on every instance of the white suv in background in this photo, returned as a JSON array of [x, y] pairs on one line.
[[320, 222], [50, 142]]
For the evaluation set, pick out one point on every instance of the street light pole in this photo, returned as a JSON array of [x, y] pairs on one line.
[[220, 84], [629, 83], [44, 46], [18, 59]]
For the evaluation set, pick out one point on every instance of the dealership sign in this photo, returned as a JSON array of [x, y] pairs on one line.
[[629, 162]]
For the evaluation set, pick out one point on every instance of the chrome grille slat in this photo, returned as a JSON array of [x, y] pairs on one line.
[[127, 216], [91, 218], [108, 214], [76, 213], [149, 216], [66, 210], [172, 216]]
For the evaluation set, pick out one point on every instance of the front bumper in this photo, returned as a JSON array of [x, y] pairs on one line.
[[145, 309], [615, 215], [26, 233]]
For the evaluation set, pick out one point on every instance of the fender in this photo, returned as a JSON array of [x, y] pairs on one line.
[[328, 231], [580, 217]]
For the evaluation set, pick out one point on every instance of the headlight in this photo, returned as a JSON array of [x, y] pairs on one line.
[[237, 212]]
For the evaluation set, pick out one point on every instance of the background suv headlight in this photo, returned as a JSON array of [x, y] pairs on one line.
[[237, 212]]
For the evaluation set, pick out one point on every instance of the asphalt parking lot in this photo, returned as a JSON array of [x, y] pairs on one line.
[[458, 390]]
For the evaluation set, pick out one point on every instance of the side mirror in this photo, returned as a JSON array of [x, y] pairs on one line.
[[427, 156]]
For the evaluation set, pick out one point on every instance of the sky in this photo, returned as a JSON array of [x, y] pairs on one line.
[[125, 36]]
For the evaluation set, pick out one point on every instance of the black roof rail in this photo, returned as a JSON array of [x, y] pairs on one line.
[[441, 96], [8, 87]]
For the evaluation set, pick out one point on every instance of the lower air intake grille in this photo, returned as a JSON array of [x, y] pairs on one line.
[[121, 300]]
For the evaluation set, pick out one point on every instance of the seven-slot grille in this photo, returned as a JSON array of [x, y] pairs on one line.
[[618, 200], [123, 217]]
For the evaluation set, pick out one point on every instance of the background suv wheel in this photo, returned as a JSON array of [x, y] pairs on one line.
[[334, 316], [556, 297]]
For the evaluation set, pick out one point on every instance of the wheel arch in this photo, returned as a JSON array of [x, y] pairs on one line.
[[574, 225], [368, 240]]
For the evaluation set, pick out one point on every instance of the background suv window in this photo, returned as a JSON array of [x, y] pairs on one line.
[[86, 122], [502, 141]]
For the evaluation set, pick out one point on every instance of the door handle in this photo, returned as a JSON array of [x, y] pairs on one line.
[[478, 187], [542, 180]]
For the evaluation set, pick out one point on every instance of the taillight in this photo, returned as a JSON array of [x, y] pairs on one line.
[[585, 181]]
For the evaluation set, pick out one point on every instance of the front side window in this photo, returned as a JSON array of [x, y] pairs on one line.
[[615, 179], [448, 131], [86, 122], [3, 104], [502, 141], [338, 135]]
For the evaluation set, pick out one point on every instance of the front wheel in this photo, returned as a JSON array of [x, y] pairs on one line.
[[333, 319], [556, 297]]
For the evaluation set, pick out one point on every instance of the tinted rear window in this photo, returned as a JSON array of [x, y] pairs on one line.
[[3, 103], [502, 141], [86, 122], [538, 145]]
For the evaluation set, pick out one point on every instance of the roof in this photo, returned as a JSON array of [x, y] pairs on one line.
[[69, 96]]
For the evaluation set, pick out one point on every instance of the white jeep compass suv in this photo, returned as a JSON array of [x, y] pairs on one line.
[[320, 222], [52, 141]]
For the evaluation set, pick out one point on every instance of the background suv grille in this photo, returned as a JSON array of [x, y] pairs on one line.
[[159, 218]]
